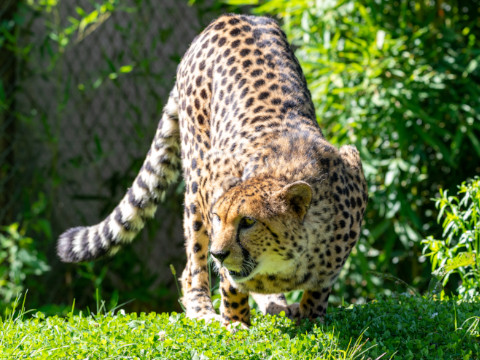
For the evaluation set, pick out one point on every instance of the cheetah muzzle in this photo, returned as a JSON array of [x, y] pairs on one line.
[[274, 203]]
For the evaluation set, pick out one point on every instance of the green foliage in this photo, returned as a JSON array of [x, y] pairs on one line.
[[401, 81], [28, 193], [18, 259], [78, 27], [403, 328], [457, 253]]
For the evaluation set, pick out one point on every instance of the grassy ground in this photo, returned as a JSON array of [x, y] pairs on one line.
[[401, 328]]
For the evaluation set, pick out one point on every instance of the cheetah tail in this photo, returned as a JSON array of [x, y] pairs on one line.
[[160, 168]]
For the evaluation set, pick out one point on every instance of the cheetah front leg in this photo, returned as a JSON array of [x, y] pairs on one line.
[[234, 306], [313, 304], [195, 282]]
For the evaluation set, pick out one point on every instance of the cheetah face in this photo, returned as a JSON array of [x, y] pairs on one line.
[[257, 228]]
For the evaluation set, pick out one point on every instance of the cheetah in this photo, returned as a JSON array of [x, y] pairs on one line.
[[276, 206]]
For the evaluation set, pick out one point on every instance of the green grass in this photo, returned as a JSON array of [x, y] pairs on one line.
[[405, 327]]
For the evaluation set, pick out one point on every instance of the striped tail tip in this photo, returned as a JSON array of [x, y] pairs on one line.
[[81, 244]]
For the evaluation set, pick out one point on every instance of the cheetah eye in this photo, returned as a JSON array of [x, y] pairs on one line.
[[246, 222]]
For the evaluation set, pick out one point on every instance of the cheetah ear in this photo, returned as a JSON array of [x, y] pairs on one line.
[[298, 196]]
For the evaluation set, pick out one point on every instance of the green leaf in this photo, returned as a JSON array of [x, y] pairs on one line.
[[126, 68], [461, 260], [80, 11]]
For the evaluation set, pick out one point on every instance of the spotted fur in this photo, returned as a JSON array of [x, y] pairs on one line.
[[278, 207]]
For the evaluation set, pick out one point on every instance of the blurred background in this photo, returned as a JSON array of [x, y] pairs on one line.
[[82, 86]]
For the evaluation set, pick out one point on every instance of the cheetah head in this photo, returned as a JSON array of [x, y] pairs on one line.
[[257, 228]]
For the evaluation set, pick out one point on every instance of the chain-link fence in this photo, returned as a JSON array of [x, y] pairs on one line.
[[82, 88]]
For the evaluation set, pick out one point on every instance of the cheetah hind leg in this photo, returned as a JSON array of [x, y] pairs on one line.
[[274, 304], [313, 304]]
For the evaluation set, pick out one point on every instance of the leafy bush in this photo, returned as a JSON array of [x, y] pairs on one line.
[[18, 259], [35, 40], [457, 253], [401, 81]]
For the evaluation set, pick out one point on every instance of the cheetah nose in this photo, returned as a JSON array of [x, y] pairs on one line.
[[220, 255]]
